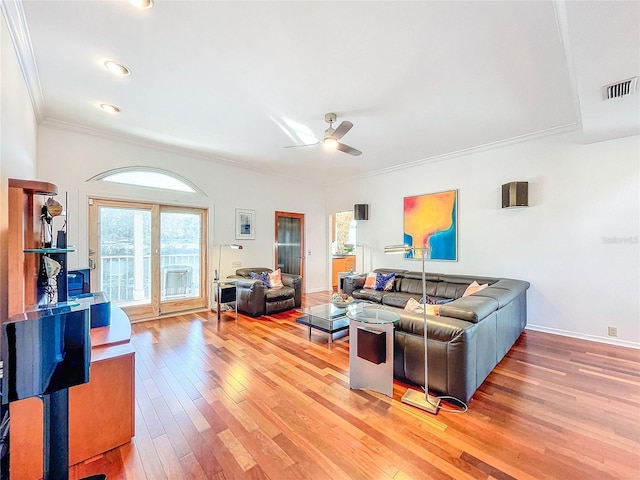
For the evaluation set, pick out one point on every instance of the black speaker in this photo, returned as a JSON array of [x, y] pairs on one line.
[[372, 345], [515, 194], [361, 211]]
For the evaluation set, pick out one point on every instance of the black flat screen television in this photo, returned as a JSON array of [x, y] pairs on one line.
[[45, 350]]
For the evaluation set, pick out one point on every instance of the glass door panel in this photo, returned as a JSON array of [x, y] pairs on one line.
[[148, 258], [290, 242], [125, 255], [180, 254]]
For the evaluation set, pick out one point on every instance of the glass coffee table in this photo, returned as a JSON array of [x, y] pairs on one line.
[[328, 318]]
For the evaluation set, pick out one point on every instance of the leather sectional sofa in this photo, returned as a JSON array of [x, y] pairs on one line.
[[468, 338], [255, 299]]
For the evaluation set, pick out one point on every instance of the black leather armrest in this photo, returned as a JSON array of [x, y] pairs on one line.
[[295, 282], [353, 282], [250, 296]]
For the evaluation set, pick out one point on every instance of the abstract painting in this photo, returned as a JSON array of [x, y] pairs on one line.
[[431, 221]]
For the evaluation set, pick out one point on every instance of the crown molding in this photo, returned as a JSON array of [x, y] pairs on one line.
[[570, 127], [13, 12], [160, 146]]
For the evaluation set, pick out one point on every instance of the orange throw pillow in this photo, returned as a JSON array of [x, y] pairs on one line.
[[275, 279], [370, 282]]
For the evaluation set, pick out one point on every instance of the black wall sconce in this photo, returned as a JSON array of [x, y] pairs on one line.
[[361, 211], [515, 194]]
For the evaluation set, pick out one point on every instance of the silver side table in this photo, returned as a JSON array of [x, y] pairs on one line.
[[371, 349], [217, 295]]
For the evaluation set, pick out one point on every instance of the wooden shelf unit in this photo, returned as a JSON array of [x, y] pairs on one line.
[[101, 412]]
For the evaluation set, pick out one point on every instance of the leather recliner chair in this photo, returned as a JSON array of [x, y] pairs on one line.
[[255, 299]]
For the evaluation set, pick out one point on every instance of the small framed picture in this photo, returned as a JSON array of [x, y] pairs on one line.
[[245, 224]]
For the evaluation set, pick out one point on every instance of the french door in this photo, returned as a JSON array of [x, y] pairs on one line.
[[289, 242], [150, 259]]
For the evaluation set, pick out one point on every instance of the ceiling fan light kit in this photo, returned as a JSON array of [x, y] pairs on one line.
[[330, 143], [332, 135]]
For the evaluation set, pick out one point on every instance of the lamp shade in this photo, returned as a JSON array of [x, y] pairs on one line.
[[397, 248]]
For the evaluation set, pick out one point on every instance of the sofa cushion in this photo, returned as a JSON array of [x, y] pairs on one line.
[[450, 290], [278, 294], [246, 272], [441, 329], [415, 306], [397, 299], [472, 308], [369, 295], [504, 291]]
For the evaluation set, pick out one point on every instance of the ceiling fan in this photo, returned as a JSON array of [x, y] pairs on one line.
[[332, 135]]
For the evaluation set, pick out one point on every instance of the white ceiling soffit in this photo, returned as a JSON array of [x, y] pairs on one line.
[[238, 81]]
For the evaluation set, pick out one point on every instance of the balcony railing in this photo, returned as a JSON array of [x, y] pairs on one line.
[[120, 272]]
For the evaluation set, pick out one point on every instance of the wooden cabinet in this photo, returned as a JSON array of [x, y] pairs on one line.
[[101, 412], [341, 264]]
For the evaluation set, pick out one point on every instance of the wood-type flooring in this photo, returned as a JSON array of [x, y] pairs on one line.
[[256, 399]]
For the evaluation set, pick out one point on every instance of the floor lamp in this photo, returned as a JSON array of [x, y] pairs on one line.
[[412, 397], [364, 266], [235, 246]]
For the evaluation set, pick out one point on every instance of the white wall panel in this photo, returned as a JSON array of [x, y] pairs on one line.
[[69, 158], [577, 242], [17, 140]]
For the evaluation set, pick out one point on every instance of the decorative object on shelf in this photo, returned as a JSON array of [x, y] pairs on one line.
[[361, 211], [245, 229], [235, 246], [431, 223], [341, 300], [413, 397], [51, 271], [515, 194]]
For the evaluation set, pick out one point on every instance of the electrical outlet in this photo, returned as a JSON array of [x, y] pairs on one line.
[[613, 331], [236, 264]]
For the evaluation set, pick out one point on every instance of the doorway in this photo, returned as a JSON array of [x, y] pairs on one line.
[[289, 242], [148, 258]]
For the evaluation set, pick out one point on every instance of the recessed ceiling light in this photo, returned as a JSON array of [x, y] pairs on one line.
[[116, 68], [141, 3], [109, 108]]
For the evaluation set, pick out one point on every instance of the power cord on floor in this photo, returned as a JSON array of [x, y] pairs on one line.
[[463, 406]]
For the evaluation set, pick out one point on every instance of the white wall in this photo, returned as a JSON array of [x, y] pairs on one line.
[[582, 199], [69, 157], [17, 141]]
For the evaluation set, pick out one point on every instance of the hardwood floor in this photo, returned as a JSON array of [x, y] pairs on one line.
[[254, 398]]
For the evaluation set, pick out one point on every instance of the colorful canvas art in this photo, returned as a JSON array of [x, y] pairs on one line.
[[431, 221]]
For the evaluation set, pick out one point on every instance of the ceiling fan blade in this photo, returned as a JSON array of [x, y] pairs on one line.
[[306, 145], [342, 129], [347, 149]]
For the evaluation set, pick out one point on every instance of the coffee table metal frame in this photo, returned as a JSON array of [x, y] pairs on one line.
[[328, 318]]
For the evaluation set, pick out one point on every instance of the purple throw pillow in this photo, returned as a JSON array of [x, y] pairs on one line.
[[263, 277]]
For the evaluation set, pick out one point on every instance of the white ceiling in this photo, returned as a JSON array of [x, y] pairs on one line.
[[238, 81]]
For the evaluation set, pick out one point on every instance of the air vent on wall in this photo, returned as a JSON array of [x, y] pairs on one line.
[[620, 89]]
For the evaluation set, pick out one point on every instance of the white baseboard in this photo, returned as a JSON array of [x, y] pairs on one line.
[[316, 290], [582, 336]]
